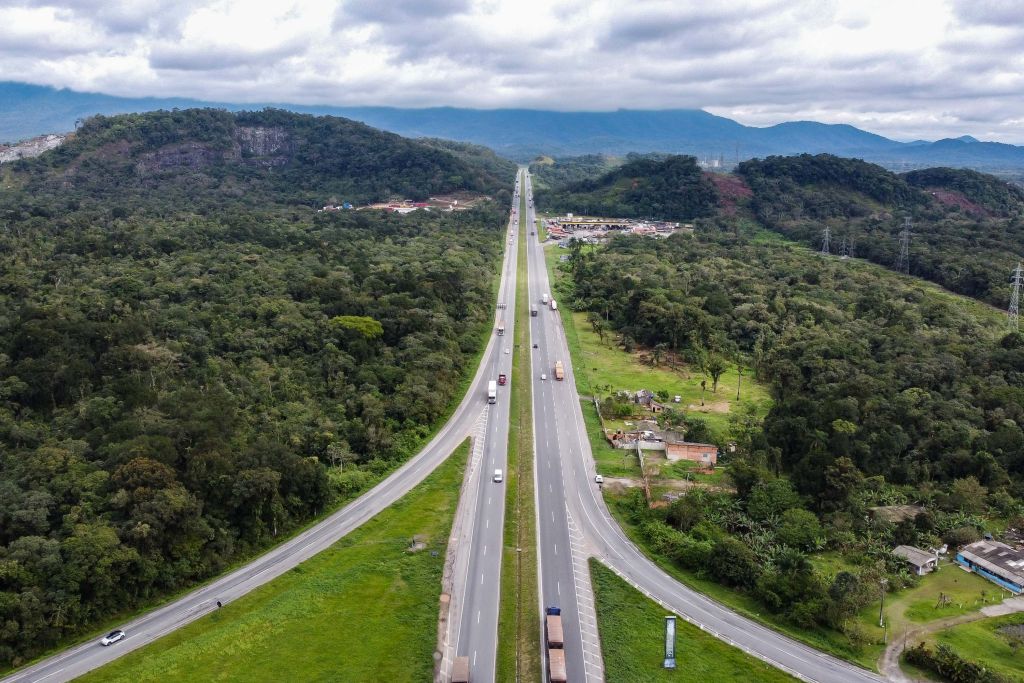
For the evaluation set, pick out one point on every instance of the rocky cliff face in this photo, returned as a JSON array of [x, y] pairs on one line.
[[30, 148], [264, 147]]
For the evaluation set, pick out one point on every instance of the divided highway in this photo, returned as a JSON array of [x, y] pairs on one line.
[[572, 510], [477, 591], [80, 659]]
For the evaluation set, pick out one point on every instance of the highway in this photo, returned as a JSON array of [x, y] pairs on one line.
[[78, 660], [477, 590], [572, 509]]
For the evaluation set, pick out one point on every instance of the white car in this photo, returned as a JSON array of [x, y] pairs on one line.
[[598, 479], [506, 351], [543, 376], [112, 637], [498, 477]]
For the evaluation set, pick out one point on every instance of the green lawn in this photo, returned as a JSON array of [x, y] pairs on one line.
[[337, 616], [611, 462], [518, 636], [602, 367], [979, 642], [632, 629]]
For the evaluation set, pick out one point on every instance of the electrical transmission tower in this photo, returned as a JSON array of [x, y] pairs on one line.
[[1017, 278], [850, 247], [842, 249], [902, 264], [825, 241]]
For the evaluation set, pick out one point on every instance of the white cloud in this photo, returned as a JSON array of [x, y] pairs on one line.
[[904, 68]]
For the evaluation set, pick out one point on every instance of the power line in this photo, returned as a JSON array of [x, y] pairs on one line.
[[1017, 278], [902, 264]]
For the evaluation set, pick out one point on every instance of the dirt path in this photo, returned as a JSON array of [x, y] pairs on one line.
[[889, 662]]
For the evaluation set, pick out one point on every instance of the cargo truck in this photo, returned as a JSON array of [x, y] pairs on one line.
[[555, 645], [492, 392], [559, 370], [553, 627], [460, 670], [544, 299]]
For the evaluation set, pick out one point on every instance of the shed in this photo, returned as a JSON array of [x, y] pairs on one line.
[[704, 453], [996, 561], [922, 561]]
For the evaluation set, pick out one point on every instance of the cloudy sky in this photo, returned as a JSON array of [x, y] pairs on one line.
[[902, 68]]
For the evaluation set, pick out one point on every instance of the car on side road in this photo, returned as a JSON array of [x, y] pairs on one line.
[[112, 637], [598, 479]]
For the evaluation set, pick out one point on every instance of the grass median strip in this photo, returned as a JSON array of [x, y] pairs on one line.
[[365, 609], [518, 634], [632, 629]]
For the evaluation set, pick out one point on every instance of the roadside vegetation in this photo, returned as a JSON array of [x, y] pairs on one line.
[[187, 378], [339, 615], [518, 634], [850, 356], [632, 629], [996, 645]]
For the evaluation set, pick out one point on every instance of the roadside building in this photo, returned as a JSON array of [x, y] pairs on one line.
[[997, 562], [704, 453], [922, 561]]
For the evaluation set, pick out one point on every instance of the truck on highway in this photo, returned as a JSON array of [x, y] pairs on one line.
[[460, 670], [544, 299], [502, 379], [559, 371], [492, 392], [501, 328], [554, 644], [553, 627], [554, 305], [556, 666], [533, 311]]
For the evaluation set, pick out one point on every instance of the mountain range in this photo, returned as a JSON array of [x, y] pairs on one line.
[[30, 110]]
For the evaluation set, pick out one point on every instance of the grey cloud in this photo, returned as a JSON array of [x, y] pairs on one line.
[[397, 11], [185, 57], [989, 12]]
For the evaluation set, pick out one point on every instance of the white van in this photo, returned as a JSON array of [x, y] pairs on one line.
[[498, 477]]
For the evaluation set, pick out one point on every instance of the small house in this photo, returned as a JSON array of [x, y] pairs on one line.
[[922, 561], [704, 453]]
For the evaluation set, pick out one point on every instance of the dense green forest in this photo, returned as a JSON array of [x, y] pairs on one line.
[[967, 227], [885, 391], [670, 188], [207, 159], [548, 173], [183, 381], [479, 157]]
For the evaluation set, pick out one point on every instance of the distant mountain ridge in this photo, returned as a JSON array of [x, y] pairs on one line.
[[29, 110]]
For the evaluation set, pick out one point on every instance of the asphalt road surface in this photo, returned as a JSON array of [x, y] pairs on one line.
[[80, 659], [479, 589], [570, 503]]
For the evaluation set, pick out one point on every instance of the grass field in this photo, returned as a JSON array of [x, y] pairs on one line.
[[602, 367], [632, 629], [979, 642], [337, 616], [518, 635]]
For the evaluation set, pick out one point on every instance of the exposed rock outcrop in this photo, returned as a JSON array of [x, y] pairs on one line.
[[32, 147]]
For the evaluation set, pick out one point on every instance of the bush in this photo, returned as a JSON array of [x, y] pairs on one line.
[[948, 664]]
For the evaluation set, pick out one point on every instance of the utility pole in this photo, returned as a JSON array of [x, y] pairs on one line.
[[850, 248], [881, 604], [1017, 278], [902, 264], [825, 241]]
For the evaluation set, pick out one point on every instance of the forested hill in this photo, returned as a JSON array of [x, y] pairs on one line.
[[193, 361], [211, 157], [967, 227], [669, 188]]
